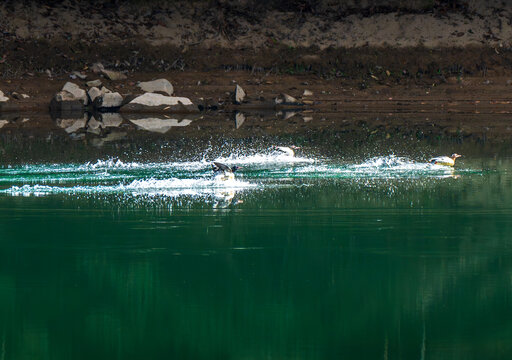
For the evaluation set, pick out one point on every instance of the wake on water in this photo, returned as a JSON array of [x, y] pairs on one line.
[[194, 178]]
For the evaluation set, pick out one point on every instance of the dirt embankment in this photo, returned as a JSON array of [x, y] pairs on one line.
[[330, 39]]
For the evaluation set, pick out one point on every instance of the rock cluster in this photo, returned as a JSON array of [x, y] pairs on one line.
[[73, 98]]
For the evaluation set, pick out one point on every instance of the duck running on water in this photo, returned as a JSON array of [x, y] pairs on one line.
[[224, 172], [445, 160], [287, 150]]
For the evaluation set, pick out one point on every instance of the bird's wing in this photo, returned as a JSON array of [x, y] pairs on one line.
[[441, 158], [219, 166], [286, 150]]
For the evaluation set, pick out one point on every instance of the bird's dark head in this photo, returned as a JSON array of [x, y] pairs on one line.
[[235, 168]]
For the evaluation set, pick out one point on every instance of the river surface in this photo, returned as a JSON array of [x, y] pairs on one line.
[[319, 256]]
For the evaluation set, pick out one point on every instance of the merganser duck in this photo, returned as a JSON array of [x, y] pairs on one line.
[[445, 160], [288, 150], [227, 172]]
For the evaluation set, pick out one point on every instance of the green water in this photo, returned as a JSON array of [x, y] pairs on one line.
[[317, 257]]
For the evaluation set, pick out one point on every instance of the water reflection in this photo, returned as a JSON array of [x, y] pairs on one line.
[[159, 125], [302, 272], [316, 256], [72, 125]]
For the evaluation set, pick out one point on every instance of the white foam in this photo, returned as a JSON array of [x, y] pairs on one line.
[[264, 159], [165, 187]]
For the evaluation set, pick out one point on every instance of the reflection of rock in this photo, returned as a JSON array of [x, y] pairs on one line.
[[110, 119], [159, 124], [160, 85], [94, 126], [239, 119], [151, 102], [288, 114], [72, 125], [110, 137]]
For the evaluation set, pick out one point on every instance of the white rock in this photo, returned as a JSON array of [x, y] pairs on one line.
[[114, 75], [2, 97], [79, 75], [25, 96], [160, 85], [289, 99], [239, 94], [65, 101], [157, 102], [104, 90], [93, 93], [3, 123], [108, 100], [150, 99], [75, 90], [94, 83], [286, 99], [307, 93], [97, 68]]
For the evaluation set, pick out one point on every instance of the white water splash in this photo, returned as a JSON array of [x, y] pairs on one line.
[[196, 178], [153, 187], [264, 159]]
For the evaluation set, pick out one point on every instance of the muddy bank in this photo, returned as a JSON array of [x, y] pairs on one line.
[[329, 39], [380, 91], [31, 57], [235, 24]]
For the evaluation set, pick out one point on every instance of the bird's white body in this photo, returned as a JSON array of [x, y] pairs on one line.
[[444, 160], [223, 172], [226, 175], [286, 150]]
